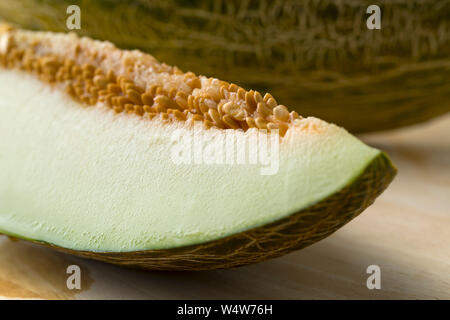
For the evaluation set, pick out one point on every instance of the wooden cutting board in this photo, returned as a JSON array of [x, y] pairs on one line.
[[406, 233]]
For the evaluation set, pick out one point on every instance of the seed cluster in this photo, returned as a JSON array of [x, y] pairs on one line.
[[215, 103]]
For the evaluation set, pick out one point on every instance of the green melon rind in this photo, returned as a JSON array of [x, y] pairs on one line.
[[278, 238], [305, 53]]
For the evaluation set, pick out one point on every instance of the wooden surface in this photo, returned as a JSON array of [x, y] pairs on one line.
[[406, 232]]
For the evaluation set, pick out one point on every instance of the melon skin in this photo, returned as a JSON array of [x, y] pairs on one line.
[[305, 53], [273, 240]]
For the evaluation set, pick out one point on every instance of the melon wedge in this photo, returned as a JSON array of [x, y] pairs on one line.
[[111, 155]]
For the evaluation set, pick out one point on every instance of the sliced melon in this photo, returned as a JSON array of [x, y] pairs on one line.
[[108, 154]]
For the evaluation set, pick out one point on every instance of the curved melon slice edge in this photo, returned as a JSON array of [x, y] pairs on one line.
[[294, 232]]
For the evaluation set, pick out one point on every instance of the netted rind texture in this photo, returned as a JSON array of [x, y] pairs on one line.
[[306, 53]]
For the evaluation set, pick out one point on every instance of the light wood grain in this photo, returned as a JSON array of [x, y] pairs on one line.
[[406, 232]]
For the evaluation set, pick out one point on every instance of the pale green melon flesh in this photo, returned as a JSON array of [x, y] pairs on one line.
[[88, 179]]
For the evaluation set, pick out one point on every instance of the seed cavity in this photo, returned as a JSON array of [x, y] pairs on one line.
[[213, 102]]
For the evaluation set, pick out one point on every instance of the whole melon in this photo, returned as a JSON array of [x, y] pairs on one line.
[[318, 57]]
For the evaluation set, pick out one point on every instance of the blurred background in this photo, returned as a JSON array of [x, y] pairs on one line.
[[315, 56]]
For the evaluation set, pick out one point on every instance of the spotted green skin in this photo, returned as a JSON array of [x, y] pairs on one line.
[[318, 58]]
